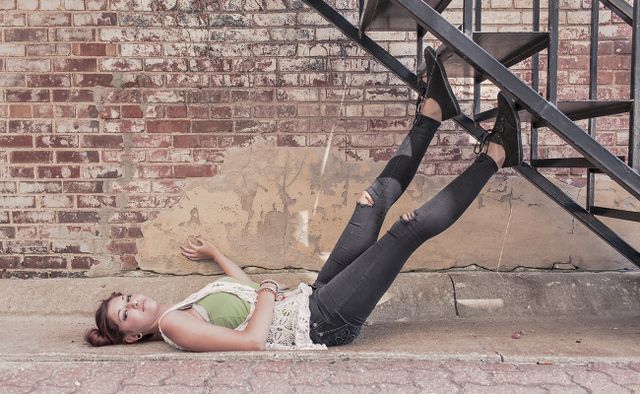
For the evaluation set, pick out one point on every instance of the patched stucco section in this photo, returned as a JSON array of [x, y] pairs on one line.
[[274, 208]]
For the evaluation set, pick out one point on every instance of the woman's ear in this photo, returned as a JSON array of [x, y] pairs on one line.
[[131, 338]]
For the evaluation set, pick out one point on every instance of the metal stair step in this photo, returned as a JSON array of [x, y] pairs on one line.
[[615, 213], [385, 15], [509, 48], [575, 110], [567, 162]]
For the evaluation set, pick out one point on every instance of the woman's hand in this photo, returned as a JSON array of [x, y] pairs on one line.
[[197, 248]]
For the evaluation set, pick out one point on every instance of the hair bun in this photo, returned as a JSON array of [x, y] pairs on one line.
[[94, 337]]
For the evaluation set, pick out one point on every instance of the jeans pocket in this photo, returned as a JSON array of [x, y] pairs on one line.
[[334, 334]]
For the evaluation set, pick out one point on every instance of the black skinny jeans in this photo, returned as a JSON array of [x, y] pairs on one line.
[[360, 269]]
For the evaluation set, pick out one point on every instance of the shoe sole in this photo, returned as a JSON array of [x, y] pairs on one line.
[[510, 104], [437, 63]]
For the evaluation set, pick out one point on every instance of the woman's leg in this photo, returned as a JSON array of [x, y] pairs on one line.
[[363, 228], [437, 103], [341, 306]]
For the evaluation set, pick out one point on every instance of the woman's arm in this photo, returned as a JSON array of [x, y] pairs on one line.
[[196, 335], [206, 250]]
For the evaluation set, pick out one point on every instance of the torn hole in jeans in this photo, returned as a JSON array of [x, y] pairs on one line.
[[409, 216], [365, 199]]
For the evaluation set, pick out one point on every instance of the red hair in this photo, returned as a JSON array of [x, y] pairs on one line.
[[107, 331]]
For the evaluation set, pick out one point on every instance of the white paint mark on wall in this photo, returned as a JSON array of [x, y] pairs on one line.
[[301, 233], [482, 303]]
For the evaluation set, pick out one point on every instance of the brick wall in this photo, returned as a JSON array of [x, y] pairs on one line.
[[106, 107]]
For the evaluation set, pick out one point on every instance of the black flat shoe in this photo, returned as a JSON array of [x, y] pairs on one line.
[[437, 87], [506, 132]]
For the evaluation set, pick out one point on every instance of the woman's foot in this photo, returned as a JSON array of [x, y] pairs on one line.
[[438, 95], [504, 142]]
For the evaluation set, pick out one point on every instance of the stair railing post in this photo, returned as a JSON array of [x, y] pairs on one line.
[[535, 80], [477, 85], [593, 91], [634, 120], [552, 58]]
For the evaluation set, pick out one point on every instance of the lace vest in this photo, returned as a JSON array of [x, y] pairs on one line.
[[289, 326]]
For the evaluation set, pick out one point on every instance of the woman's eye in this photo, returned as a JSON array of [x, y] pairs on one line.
[[128, 298], [125, 315]]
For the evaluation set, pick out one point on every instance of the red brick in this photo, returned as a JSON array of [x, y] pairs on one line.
[[31, 157], [9, 262], [102, 141], [77, 156], [87, 80], [82, 65], [37, 35], [128, 263], [176, 111], [16, 141], [131, 111], [212, 126], [57, 141], [83, 186], [159, 171], [150, 141], [193, 170], [20, 111], [24, 96], [83, 262], [186, 141], [59, 172], [48, 80], [168, 126], [44, 262], [30, 126], [123, 247]]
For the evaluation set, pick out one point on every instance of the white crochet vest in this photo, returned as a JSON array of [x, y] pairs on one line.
[[290, 323]]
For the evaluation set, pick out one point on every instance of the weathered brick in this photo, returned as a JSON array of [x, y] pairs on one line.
[[95, 19], [73, 96], [58, 172], [96, 201], [192, 170], [31, 95], [57, 141], [83, 187], [101, 172], [102, 141], [33, 216], [77, 156], [30, 126], [21, 172], [123, 247], [120, 64], [8, 187], [83, 262], [17, 202], [59, 201], [27, 247], [78, 217], [7, 232], [44, 262], [9, 261], [168, 126], [49, 19], [41, 187], [128, 217], [82, 65]]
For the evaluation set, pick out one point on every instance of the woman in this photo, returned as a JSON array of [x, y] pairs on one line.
[[248, 316]]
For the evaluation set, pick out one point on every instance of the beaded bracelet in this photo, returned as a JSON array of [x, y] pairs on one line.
[[273, 282], [267, 289]]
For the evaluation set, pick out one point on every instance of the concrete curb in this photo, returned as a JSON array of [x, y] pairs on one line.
[[413, 297]]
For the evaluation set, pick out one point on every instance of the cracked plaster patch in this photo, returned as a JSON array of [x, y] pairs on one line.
[[260, 212]]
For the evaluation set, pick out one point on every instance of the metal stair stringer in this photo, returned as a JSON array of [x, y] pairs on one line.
[[502, 77], [528, 172]]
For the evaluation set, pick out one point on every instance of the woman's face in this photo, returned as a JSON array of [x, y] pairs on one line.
[[134, 314]]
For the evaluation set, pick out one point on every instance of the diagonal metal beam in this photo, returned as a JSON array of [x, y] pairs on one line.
[[620, 8], [586, 218], [573, 135]]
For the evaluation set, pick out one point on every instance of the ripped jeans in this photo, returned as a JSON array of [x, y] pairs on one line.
[[361, 268]]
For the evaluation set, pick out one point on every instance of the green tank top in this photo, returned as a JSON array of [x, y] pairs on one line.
[[226, 309]]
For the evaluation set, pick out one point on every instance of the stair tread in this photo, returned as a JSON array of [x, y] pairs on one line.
[[509, 48], [615, 213], [384, 15], [567, 162], [574, 109]]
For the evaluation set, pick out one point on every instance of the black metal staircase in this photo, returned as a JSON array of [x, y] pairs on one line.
[[487, 56]]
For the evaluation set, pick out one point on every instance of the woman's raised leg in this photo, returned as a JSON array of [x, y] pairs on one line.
[[436, 104]]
